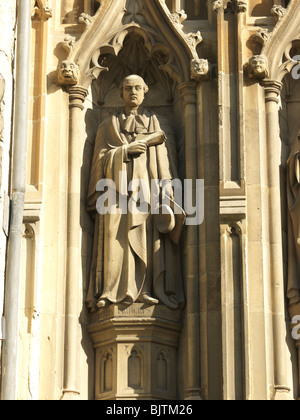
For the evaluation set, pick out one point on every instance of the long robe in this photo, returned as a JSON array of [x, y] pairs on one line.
[[293, 195], [130, 254]]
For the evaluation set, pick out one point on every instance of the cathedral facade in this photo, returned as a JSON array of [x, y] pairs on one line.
[[149, 200]]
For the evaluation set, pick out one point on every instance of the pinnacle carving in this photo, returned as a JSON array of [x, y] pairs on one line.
[[40, 10]]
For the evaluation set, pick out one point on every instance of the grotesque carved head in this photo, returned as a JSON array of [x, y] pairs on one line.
[[199, 69], [68, 73], [133, 90], [258, 67]]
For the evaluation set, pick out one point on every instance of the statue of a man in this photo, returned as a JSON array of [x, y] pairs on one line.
[[293, 195], [134, 259]]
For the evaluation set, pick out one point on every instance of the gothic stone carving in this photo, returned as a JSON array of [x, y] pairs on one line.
[[147, 365], [136, 254], [68, 73], [258, 67], [40, 10], [199, 69], [278, 12]]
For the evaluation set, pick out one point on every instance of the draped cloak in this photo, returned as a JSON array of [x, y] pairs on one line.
[[293, 196], [129, 252]]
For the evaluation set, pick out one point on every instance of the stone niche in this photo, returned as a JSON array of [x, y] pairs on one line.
[[136, 352]]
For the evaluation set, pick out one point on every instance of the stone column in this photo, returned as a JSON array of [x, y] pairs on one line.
[[76, 98], [189, 95], [272, 92]]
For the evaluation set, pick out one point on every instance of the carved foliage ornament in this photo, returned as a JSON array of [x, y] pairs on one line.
[[236, 6], [218, 5], [40, 10], [278, 12], [138, 16]]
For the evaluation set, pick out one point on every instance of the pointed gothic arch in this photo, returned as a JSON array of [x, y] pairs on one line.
[[161, 29], [279, 46]]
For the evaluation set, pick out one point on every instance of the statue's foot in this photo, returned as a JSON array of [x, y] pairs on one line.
[[102, 303], [149, 300]]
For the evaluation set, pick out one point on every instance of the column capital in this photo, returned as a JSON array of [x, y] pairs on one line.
[[272, 89], [188, 92], [77, 96]]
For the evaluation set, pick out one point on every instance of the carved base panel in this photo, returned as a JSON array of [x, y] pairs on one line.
[[136, 352]]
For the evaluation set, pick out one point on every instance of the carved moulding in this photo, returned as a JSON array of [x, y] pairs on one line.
[[106, 31], [275, 60], [136, 352]]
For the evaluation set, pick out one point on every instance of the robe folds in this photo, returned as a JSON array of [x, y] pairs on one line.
[[130, 255], [293, 198]]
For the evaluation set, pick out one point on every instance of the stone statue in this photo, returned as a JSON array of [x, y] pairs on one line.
[[293, 195], [135, 258]]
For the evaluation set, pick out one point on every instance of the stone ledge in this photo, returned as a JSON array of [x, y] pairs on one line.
[[137, 311]]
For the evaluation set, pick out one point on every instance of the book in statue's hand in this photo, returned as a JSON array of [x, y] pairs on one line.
[[153, 139]]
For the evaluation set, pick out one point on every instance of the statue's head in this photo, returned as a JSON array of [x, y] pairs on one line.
[[199, 69], [68, 73], [258, 67], [133, 90]]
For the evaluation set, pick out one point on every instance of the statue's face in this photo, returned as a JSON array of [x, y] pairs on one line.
[[200, 66], [68, 72], [258, 64], [133, 92]]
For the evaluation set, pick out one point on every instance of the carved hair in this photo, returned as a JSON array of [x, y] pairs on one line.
[[146, 88]]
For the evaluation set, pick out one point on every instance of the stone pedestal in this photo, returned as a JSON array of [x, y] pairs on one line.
[[136, 352]]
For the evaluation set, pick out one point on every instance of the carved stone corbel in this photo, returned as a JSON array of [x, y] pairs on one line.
[[258, 67], [199, 69], [68, 73]]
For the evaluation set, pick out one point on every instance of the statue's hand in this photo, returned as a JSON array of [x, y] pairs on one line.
[[137, 148]]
